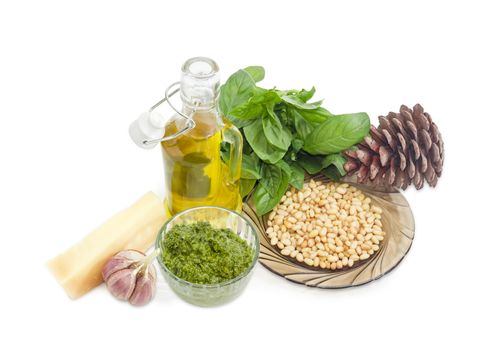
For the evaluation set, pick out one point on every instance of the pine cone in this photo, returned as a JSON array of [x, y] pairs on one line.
[[406, 148]]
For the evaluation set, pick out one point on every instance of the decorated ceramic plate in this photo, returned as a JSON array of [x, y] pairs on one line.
[[398, 225]]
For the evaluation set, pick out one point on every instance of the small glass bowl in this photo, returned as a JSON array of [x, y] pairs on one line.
[[210, 294]]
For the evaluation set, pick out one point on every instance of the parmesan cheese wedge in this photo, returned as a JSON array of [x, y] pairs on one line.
[[78, 270]]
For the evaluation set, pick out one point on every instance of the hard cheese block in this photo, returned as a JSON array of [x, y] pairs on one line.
[[78, 270]]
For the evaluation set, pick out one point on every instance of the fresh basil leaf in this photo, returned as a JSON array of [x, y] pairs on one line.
[[250, 167], [297, 176], [263, 96], [284, 167], [272, 175], [306, 95], [240, 123], [246, 147], [316, 164], [262, 200], [332, 173], [248, 110], [246, 185], [302, 126], [237, 90], [257, 140], [297, 102], [336, 160], [255, 106], [337, 134], [256, 72], [275, 133], [312, 164], [318, 115], [266, 198]]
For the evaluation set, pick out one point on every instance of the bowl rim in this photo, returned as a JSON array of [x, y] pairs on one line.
[[214, 285]]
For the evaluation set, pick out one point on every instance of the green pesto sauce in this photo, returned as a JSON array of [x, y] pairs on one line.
[[199, 253]]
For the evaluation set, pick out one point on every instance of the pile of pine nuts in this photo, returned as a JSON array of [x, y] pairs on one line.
[[330, 225]]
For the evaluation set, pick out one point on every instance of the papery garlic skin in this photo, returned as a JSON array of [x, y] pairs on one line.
[[129, 275]]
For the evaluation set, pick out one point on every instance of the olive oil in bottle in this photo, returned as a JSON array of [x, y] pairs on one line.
[[195, 173]]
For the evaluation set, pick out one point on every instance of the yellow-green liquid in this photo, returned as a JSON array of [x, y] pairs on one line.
[[195, 174]]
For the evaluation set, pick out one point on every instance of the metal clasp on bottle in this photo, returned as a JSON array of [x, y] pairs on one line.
[[141, 136]]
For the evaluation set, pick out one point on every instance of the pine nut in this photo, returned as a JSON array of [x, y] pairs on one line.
[[364, 256]]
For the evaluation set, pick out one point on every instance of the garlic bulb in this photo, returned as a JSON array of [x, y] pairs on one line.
[[130, 275]]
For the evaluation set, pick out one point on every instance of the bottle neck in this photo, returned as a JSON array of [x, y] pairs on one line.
[[189, 110], [200, 84]]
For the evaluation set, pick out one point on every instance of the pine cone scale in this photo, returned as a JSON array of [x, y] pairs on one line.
[[423, 162], [435, 134], [434, 153], [402, 140], [376, 135], [402, 161], [425, 139], [411, 169], [412, 129], [415, 149], [371, 143], [399, 127], [384, 155]]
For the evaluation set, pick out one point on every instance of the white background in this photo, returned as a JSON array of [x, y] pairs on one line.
[[74, 74]]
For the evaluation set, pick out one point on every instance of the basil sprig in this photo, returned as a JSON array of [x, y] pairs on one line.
[[285, 136]]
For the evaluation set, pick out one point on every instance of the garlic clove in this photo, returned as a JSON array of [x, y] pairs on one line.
[[144, 290], [114, 265], [122, 283], [120, 261]]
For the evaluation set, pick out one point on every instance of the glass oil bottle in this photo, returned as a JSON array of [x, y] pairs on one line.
[[195, 171]]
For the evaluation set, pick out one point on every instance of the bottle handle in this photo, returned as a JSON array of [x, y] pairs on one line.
[[232, 136]]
